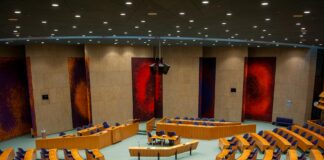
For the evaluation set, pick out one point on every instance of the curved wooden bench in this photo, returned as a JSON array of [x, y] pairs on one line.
[[8, 154], [30, 154], [310, 133], [282, 143], [292, 155], [223, 143], [163, 151], [223, 154], [316, 126], [262, 143], [245, 155], [52, 154], [242, 143], [268, 155], [76, 155], [303, 143], [315, 154]]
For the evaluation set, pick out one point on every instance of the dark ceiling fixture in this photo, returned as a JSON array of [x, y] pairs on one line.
[[158, 66]]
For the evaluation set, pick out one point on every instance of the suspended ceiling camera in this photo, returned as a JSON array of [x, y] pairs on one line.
[[159, 66]]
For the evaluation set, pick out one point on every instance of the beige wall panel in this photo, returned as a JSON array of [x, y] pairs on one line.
[[111, 80], [292, 81], [181, 84], [229, 74], [50, 76]]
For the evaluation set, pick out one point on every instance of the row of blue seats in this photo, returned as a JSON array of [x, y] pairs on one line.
[[195, 123], [286, 136], [319, 122], [199, 119], [312, 128]]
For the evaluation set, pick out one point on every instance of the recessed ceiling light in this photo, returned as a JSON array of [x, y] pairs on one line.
[[229, 14], [27, 40], [236, 34], [125, 32], [182, 13], [191, 21], [143, 21], [109, 29], [261, 37], [224, 23], [55, 5], [136, 27], [77, 16], [74, 27], [316, 40], [178, 31], [265, 3], [52, 34], [264, 30], [128, 3], [90, 40], [15, 31], [90, 32], [269, 34], [12, 19], [199, 33], [286, 39], [152, 13], [42, 42], [205, 2], [123, 14], [44, 22], [17, 12], [177, 26], [321, 44], [298, 16], [17, 27], [267, 19], [298, 24], [255, 26], [57, 39], [55, 30], [307, 12], [303, 28], [169, 34], [104, 22], [205, 28], [227, 30], [149, 31]]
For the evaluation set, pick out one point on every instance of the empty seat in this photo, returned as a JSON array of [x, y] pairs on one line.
[[260, 133], [177, 117], [62, 134], [286, 136], [245, 136], [179, 122], [310, 138], [315, 142], [311, 128], [185, 118], [303, 134], [305, 125], [290, 139], [117, 124], [196, 123], [296, 130], [275, 130], [280, 133]]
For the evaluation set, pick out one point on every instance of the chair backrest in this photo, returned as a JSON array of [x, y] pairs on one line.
[[196, 123], [269, 139], [315, 142], [280, 133], [105, 125], [302, 156], [249, 139], [222, 120], [179, 122], [177, 117], [260, 133], [170, 134], [275, 130], [291, 139], [286, 136], [211, 124], [1, 151], [294, 143], [296, 130], [245, 136], [303, 134], [252, 143], [310, 138], [186, 118], [149, 134], [192, 118], [168, 121], [117, 124], [62, 134], [289, 128], [205, 124], [21, 150], [311, 128], [318, 131], [273, 143], [305, 125]]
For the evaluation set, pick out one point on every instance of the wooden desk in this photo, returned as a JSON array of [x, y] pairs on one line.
[[52, 154], [316, 126], [116, 134], [75, 154], [205, 132], [282, 143], [242, 143], [150, 125], [30, 154], [260, 142], [245, 155], [162, 151], [223, 143], [222, 154], [98, 140], [315, 154], [268, 155], [8, 154], [303, 143], [85, 132], [310, 133], [200, 122], [98, 155], [166, 137], [292, 155]]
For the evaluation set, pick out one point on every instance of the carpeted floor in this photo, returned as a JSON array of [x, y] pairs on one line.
[[207, 150]]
